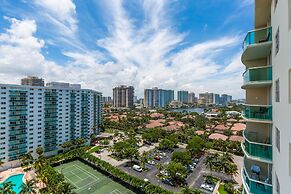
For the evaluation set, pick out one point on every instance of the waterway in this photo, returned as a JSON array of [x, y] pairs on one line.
[[189, 110]]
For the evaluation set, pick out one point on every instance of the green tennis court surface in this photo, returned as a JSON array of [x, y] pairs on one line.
[[87, 180]]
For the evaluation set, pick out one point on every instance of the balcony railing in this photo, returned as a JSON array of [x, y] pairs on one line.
[[259, 150], [258, 36], [258, 75], [258, 112], [255, 184]]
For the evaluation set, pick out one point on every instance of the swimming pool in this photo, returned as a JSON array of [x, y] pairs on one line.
[[16, 180]]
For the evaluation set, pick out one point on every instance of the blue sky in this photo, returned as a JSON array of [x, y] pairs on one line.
[[190, 45]]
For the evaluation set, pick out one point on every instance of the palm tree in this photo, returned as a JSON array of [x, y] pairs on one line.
[[40, 163], [64, 188], [188, 190], [7, 188], [1, 163], [39, 151], [29, 187]]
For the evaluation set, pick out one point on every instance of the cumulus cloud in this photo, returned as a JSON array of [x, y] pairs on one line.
[[144, 55]]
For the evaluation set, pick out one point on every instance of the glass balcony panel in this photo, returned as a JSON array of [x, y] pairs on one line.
[[258, 36], [262, 74], [256, 149], [257, 112]]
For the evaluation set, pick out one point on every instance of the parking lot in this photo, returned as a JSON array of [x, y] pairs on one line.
[[152, 171]]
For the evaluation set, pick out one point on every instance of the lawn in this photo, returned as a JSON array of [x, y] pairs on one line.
[[87, 180], [221, 189]]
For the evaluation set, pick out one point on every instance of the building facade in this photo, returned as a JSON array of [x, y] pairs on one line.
[[107, 100], [225, 99], [209, 98], [123, 96], [267, 81], [191, 98], [183, 96], [157, 98], [32, 81], [37, 116]]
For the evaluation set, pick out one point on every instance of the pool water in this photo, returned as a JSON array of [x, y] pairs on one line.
[[16, 180]]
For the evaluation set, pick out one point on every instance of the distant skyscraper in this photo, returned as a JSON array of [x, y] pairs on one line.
[[107, 100], [32, 81], [183, 96], [191, 98], [225, 99], [123, 96], [157, 98], [210, 98]]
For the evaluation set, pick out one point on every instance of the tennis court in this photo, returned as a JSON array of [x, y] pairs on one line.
[[87, 180]]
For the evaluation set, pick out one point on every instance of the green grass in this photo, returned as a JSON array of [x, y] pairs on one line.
[[221, 189], [87, 180], [95, 149]]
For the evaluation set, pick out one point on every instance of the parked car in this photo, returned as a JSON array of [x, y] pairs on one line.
[[157, 157], [163, 172], [151, 162], [168, 181], [207, 187], [137, 168], [190, 168]]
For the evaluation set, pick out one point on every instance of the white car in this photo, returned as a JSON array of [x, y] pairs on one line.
[[203, 186], [163, 172], [137, 168], [151, 162]]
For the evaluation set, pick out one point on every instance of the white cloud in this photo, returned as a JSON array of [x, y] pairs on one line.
[[141, 56], [61, 12], [235, 65]]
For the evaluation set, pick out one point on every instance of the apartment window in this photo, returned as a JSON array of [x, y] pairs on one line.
[[278, 139], [289, 84], [277, 185], [277, 42], [277, 90]]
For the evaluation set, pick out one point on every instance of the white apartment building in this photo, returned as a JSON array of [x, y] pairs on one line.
[[267, 81], [38, 116]]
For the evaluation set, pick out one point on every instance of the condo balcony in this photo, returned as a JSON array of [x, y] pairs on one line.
[[256, 150], [258, 113], [257, 77], [257, 177], [257, 44]]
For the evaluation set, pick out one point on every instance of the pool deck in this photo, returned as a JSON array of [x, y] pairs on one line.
[[14, 171]]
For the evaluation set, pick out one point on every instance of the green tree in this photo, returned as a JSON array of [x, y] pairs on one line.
[[80, 141], [166, 144], [195, 145], [188, 190], [174, 138], [39, 151], [177, 172], [131, 153], [67, 145], [26, 159], [7, 188], [1, 163], [181, 157], [228, 132], [29, 187], [144, 158]]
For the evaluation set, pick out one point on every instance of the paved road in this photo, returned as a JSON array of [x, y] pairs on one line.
[[151, 173]]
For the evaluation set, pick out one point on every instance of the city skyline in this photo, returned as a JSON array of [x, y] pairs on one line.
[[92, 47]]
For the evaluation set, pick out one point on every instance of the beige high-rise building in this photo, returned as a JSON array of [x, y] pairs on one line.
[[123, 96], [32, 81], [267, 81]]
